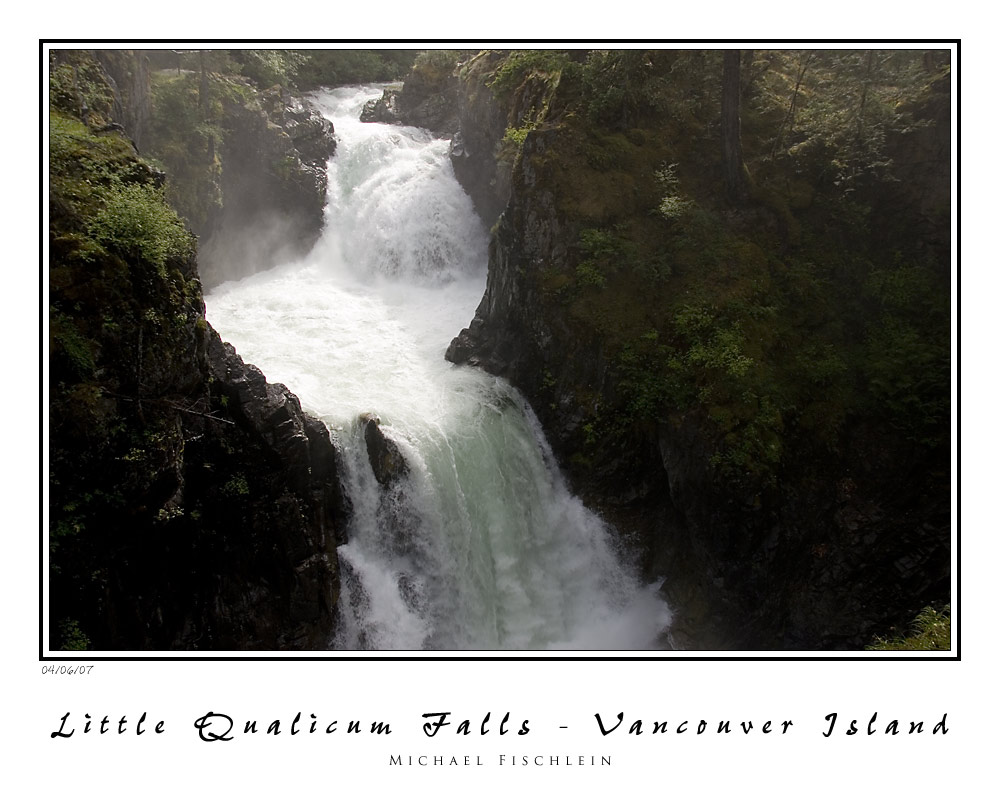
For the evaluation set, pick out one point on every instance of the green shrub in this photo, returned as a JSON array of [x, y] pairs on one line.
[[236, 486], [588, 273], [70, 345], [516, 136], [647, 377], [72, 637], [931, 630], [136, 222], [605, 251], [267, 68], [520, 63]]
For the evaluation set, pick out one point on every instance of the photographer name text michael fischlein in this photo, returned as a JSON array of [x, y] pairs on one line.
[[503, 760]]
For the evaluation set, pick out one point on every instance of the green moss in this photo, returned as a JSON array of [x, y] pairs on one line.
[[82, 165]]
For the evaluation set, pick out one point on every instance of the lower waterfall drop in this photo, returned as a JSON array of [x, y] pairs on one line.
[[469, 538]]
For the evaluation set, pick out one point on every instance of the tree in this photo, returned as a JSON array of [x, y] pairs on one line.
[[734, 169], [788, 123]]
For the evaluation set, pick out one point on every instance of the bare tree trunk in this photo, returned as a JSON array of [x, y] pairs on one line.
[[734, 169], [789, 119], [202, 84], [859, 156], [864, 97], [747, 74]]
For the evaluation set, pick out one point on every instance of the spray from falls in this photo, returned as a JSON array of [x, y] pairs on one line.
[[463, 534]]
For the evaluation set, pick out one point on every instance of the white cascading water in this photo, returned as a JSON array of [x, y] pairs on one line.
[[480, 546]]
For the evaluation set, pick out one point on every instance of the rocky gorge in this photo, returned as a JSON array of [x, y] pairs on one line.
[[753, 392], [193, 505]]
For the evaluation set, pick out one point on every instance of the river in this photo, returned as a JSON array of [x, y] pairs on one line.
[[480, 545]]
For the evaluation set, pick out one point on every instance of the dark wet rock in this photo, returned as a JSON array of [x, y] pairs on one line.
[[482, 123], [383, 109], [427, 99], [384, 455], [463, 347]]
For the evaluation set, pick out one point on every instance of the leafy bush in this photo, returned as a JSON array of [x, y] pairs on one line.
[[609, 251], [72, 637], [589, 274], [69, 346], [236, 486], [673, 205], [516, 136], [647, 377], [136, 222]]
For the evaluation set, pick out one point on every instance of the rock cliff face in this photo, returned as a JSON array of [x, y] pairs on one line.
[[128, 75], [192, 504], [477, 143], [836, 550], [425, 100], [273, 185]]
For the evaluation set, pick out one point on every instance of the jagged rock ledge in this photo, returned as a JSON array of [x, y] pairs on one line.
[[282, 580]]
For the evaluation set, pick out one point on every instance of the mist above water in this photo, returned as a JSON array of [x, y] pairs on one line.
[[480, 545]]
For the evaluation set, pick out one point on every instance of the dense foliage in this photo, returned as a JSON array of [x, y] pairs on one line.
[[736, 327], [340, 67], [301, 69], [777, 322]]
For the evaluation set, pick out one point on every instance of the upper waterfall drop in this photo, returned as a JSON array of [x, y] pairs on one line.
[[478, 544], [394, 206]]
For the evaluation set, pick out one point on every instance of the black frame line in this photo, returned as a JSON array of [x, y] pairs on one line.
[[697, 655]]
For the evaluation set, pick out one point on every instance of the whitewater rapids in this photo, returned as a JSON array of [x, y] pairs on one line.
[[480, 545]]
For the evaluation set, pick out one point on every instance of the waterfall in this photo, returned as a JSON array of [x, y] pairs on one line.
[[476, 544]]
